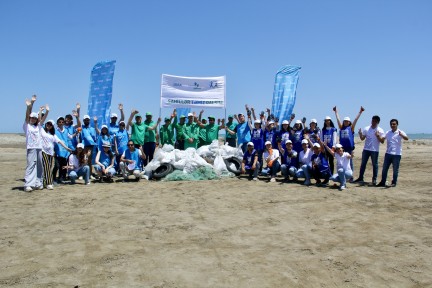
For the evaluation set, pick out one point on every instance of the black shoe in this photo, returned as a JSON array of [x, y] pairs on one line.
[[358, 180], [380, 184], [374, 183]]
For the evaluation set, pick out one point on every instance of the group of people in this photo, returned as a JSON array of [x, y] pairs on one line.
[[60, 150]]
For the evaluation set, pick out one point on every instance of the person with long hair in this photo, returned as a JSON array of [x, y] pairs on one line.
[[78, 165], [49, 139], [346, 132], [328, 135], [343, 166], [271, 157], [104, 163]]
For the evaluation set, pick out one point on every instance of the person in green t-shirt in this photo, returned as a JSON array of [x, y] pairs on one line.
[[202, 137], [212, 129], [191, 132], [150, 137], [166, 131], [179, 127], [231, 139]]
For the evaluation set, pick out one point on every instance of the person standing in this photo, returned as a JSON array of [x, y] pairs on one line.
[[191, 132], [242, 129], [211, 129], [346, 132], [180, 138], [257, 138], [113, 127], [49, 138], [231, 139], [150, 137], [34, 169], [374, 135], [89, 137], [393, 154], [328, 133], [166, 131]]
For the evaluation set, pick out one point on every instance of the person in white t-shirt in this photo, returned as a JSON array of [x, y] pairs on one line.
[[343, 166], [374, 136], [48, 138], [305, 162], [393, 153], [271, 157], [34, 169]]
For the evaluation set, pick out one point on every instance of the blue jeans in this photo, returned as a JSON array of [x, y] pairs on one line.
[[304, 172], [275, 168], [83, 171], [288, 171], [393, 160], [374, 158], [341, 176]]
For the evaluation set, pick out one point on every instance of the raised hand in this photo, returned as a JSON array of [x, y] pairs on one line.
[[47, 107], [78, 106], [95, 118], [120, 106], [74, 113], [334, 109], [33, 99], [362, 109]]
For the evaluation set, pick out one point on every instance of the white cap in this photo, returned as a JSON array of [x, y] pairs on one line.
[[271, 122], [104, 126], [316, 145], [285, 122], [122, 122], [86, 117], [338, 146], [257, 121], [298, 122], [327, 118], [288, 141], [51, 121], [347, 119], [304, 141], [80, 145], [106, 144], [267, 142], [313, 121], [114, 115], [250, 144], [33, 115], [190, 114]]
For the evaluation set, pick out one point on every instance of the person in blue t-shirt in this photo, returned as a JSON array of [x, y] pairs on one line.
[[112, 126], [89, 139], [346, 132], [296, 136], [242, 130], [328, 136], [121, 139], [289, 160], [250, 162], [319, 164], [130, 161], [257, 138], [104, 163]]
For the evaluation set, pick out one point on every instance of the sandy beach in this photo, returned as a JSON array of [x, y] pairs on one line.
[[223, 233]]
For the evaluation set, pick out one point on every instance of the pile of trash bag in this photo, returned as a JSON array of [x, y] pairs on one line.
[[205, 163]]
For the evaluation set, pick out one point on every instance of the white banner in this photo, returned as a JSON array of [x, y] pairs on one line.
[[178, 91]]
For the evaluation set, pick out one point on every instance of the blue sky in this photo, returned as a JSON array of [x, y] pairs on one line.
[[352, 53]]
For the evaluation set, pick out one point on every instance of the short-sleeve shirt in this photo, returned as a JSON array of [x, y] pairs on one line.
[[249, 158], [137, 133], [394, 142], [372, 142], [33, 136]]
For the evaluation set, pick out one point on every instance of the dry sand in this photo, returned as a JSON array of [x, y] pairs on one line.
[[225, 233]]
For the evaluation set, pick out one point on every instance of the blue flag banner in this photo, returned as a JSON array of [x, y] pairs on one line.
[[182, 111], [99, 102], [284, 94]]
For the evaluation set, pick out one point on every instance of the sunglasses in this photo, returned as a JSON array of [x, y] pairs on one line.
[[130, 144]]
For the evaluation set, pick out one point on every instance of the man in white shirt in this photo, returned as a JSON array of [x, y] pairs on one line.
[[393, 153], [374, 135]]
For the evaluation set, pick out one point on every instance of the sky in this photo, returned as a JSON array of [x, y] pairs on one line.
[[352, 53]]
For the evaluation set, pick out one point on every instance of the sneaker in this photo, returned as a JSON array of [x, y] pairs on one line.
[[88, 183], [272, 179], [380, 184], [50, 187], [39, 188], [342, 187], [145, 177], [358, 180], [80, 178], [92, 177], [374, 182], [255, 179], [28, 189], [307, 182]]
